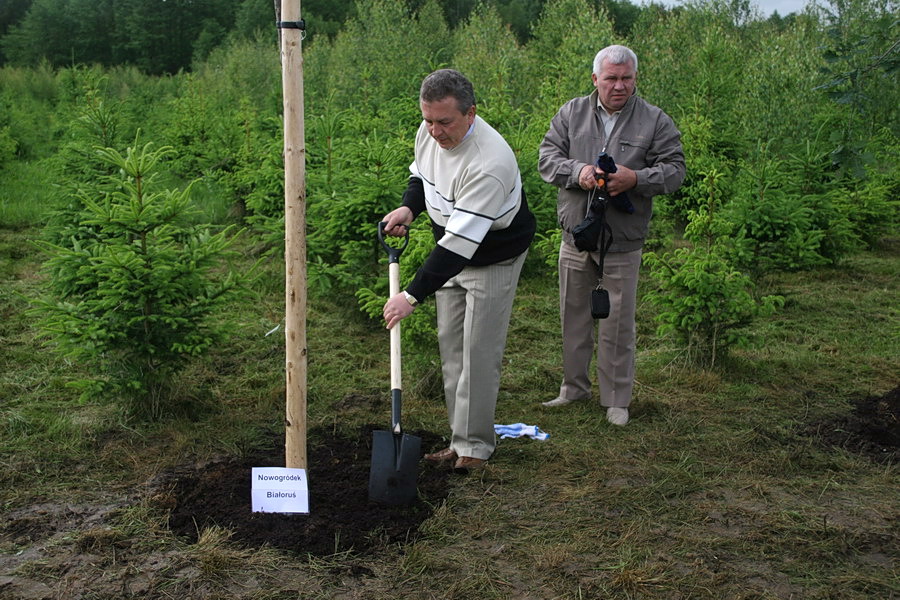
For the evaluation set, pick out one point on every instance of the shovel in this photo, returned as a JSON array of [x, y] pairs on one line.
[[395, 455]]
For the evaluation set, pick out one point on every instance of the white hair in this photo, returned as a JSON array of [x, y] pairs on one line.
[[616, 55]]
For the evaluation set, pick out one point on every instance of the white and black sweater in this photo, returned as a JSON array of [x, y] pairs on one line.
[[473, 195]]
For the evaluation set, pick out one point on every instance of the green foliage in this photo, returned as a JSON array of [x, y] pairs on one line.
[[703, 156], [759, 137], [871, 208], [776, 228], [862, 58], [22, 194], [491, 58], [201, 131], [27, 97], [775, 96], [694, 59], [11, 12], [158, 36], [325, 17], [255, 180], [8, 146], [135, 300], [547, 246], [46, 33], [560, 56], [94, 121], [253, 17], [372, 173], [519, 14], [703, 300], [341, 70], [245, 71]]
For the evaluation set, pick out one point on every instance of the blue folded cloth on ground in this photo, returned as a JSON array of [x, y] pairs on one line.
[[520, 430]]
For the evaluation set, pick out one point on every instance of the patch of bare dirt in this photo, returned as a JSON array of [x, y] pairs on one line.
[[55, 551], [341, 517], [872, 428]]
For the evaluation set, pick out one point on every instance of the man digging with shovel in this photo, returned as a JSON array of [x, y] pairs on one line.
[[466, 177]]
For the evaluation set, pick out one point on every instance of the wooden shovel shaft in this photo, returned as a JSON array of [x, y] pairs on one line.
[[392, 476], [394, 284]]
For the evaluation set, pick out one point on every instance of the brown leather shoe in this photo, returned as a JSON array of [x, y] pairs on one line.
[[445, 455], [468, 463]]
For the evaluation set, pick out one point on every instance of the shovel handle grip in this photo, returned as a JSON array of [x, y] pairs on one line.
[[392, 252]]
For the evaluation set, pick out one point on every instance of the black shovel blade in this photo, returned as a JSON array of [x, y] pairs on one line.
[[395, 459]]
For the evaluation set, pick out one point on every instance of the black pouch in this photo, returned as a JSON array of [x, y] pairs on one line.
[[587, 233], [599, 303]]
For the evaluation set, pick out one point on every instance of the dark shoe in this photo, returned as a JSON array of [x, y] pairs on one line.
[[445, 455], [467, 463]]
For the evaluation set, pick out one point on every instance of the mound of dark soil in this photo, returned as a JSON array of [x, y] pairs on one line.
[[340, 519], [872, 428]]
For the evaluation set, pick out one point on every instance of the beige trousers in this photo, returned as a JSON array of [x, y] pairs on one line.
[[615, 350], [473, 311]]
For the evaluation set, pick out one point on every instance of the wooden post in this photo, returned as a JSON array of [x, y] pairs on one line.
[[294, 234]]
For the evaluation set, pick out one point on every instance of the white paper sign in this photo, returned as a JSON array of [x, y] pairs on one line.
[[279, 490]]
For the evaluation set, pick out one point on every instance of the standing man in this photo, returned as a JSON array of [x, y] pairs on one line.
[[646, 147], [466, 177]]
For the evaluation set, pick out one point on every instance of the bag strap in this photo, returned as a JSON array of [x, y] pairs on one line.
[[598, 206]]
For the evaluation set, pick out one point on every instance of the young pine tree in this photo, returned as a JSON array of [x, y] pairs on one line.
[[703, 300], [136, 299]]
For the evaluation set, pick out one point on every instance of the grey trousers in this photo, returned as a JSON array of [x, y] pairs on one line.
[[473, 311], [615, 350]]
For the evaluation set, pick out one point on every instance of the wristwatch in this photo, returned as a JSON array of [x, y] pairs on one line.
[[411, 299]]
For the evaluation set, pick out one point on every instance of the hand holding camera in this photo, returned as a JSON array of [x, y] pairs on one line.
[[607, 164]]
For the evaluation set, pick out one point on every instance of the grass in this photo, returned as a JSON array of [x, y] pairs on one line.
[[21, 194], [711, 492]]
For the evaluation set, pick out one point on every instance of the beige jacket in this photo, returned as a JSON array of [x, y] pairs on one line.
[[644, 139]]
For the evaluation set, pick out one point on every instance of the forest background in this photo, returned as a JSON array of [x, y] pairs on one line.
[[789, 123], [769, 280]]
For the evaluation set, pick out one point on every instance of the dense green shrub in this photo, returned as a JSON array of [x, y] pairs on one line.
[[872, 205], [372, 175], [489, 55], [859, 75], [370, 61], [27, 102], [8, 146], [203, 133], [703, 299], [703, 155], [136, 300], [777, 228]]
